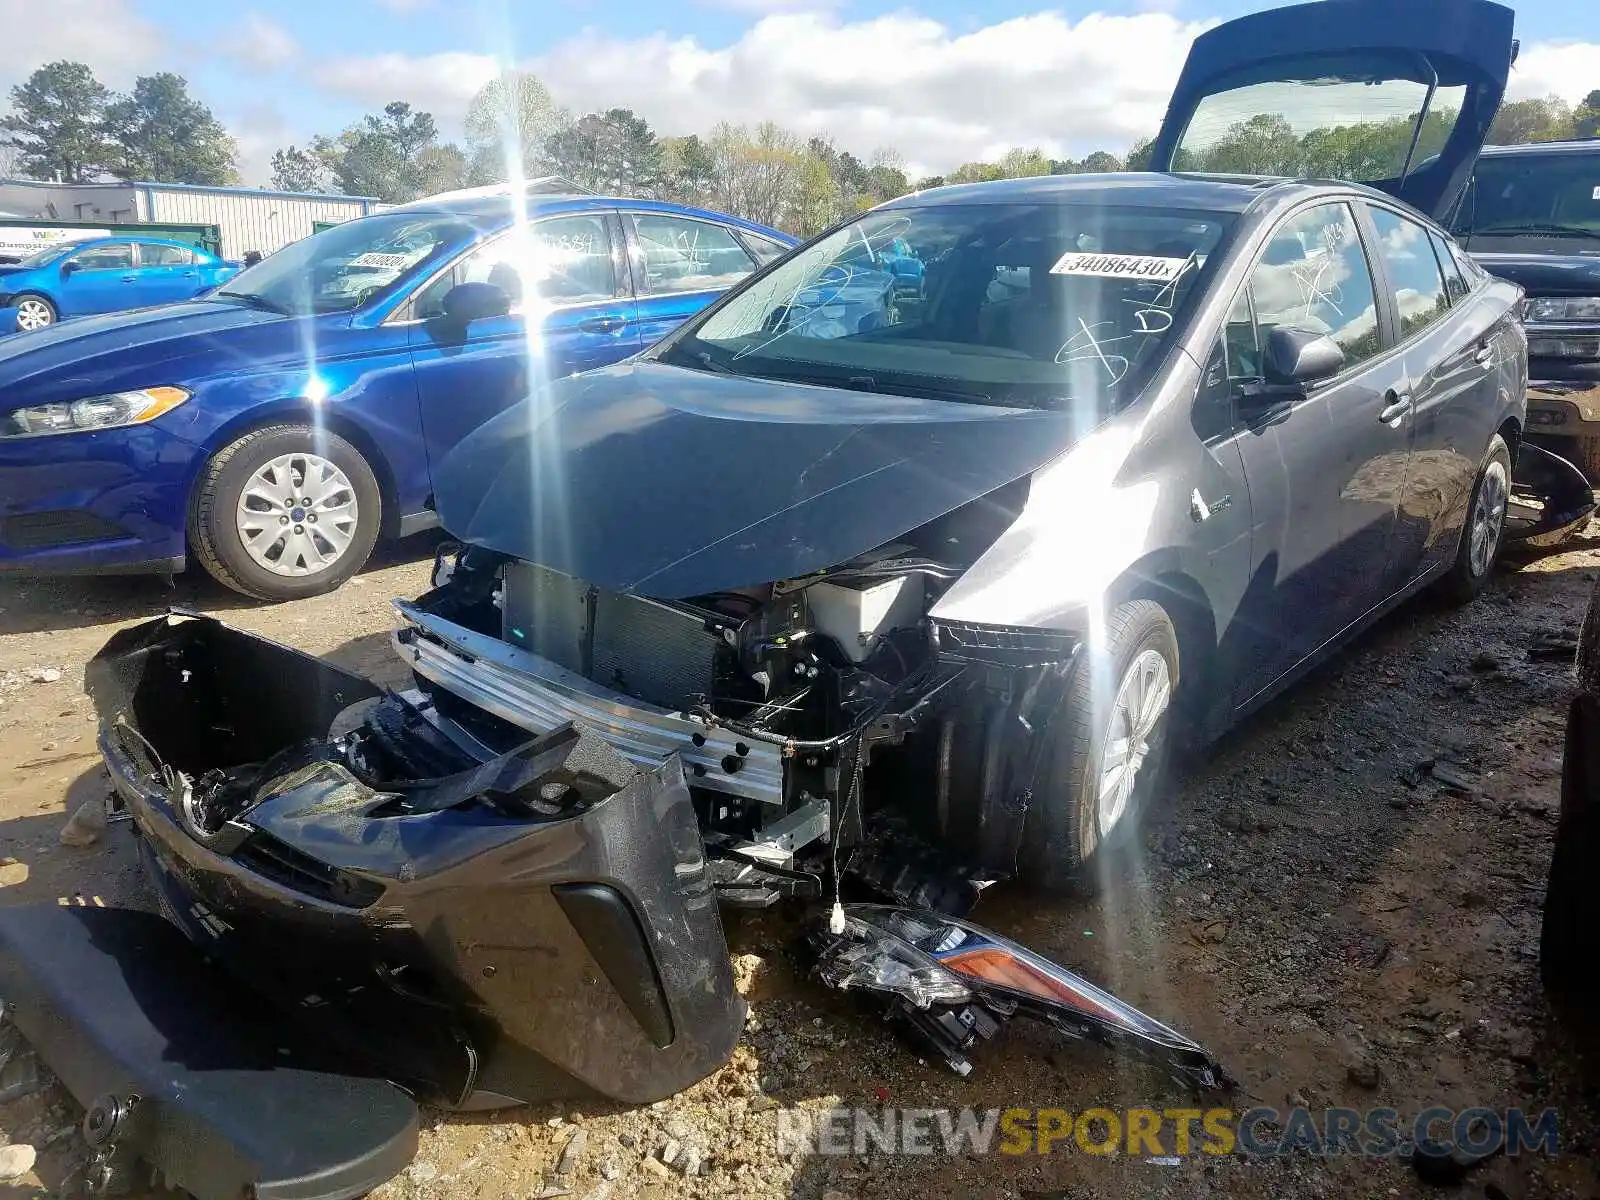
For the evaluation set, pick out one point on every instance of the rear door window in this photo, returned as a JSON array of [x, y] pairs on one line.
[[685, 255], [1454, 282], [159, 254], [1415, 280]]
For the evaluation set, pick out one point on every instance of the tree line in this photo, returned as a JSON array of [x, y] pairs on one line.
[[65, 125]]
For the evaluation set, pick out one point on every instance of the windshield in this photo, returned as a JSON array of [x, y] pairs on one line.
[[349, 265], [1533, 195], [1321, 118], [1008, 304], [46, 255]]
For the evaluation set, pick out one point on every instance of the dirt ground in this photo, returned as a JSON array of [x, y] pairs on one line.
[[1335, 924]]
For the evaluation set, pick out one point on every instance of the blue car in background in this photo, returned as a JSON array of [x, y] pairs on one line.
[[275, 428], [102, 275]]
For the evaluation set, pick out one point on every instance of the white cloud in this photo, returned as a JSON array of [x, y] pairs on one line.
[[939, 96], [258, 131], [442, 84], [261, 44], [1570, 70], [106, 34]]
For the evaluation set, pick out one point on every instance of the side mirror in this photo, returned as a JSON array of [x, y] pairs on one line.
[[1299, 357], [468, 302], [70, 266]]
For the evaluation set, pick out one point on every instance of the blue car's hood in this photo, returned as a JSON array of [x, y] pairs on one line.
[[671, 482], [137, 349]]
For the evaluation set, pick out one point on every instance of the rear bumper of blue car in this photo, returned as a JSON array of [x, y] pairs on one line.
[[97, 503]]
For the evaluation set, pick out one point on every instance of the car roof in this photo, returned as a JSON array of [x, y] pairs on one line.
[[1130, 189], [492, 211], [1579, 146]]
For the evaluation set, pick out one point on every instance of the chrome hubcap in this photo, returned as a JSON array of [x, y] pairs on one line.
[[1141, 701], [297, 515], [1488, 518], [33, 314]]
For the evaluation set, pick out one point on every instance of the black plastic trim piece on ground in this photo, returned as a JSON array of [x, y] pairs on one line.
[[222, 1099]]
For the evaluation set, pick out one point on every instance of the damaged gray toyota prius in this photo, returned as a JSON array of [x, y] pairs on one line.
[[871, 585]]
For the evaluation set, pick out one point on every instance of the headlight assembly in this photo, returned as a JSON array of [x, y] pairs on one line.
[[96, 412], [1562, 308]]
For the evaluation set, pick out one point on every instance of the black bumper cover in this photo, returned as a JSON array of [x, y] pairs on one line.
[[474, 955]]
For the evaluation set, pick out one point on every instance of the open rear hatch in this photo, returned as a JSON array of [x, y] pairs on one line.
[[1396, 95]]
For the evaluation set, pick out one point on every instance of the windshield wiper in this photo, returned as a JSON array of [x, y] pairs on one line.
[[1550, 230], [255, 300]]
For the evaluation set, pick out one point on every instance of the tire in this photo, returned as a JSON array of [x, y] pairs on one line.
[[317, 548], [1586, 456], [1072, 834], [34, 311], [1486, 515]]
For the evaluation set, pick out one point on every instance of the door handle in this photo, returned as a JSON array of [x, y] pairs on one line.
[[1395, 411], [606, 323], [129, 278], [1484, 355]]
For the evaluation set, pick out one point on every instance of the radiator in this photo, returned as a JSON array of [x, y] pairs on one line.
[[661, 653]]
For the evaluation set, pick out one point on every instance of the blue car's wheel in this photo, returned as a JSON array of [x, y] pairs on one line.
[[34, 311], [286, 512]]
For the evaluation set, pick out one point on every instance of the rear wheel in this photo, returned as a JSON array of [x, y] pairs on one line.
[[1484, 531], [1108, 743], [286, 512], [34, 311]]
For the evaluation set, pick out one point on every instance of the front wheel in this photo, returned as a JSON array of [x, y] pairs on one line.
[[34, 312], [285, 512], [1484, 531], [1107, 747]]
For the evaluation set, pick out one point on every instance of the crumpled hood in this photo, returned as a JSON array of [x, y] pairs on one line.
[[1545, 274], [169, 344], [670, 482]]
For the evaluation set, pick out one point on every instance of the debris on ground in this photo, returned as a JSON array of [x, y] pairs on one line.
[[44, 674], [1453, 777]]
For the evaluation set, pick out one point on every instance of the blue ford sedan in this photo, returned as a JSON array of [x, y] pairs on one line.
[[277, 427], [102, 275]]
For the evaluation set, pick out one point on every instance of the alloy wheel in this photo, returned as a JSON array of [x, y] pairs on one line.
[[1142, 699], [34, 314], [297, 515], [1488, 518]]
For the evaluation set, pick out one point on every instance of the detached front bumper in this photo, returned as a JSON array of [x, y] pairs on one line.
[[480, 944]]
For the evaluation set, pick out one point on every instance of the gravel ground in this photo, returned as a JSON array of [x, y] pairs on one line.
[[1339, 926]]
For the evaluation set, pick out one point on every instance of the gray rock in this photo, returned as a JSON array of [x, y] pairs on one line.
[[1364, 1073], [84, 827], [16, 1160], [572, 1153]]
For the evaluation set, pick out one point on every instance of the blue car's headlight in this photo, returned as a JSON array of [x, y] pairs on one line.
[[95, 412]]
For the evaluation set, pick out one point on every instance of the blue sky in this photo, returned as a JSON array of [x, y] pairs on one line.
[[936, 80]]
